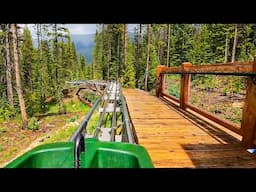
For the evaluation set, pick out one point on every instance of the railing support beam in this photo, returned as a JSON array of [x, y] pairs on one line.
[[248, 124], [160, 80], [185, 86]]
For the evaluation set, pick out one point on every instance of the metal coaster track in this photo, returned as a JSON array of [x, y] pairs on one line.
[[110, 103]]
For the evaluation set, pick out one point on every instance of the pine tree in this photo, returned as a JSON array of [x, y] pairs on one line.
[[247, 44], [148, 52], [168, 45], [82, 62], [200, 51], [58, 32], [18, 76], [154, 61], [27, 61], [74, 60], [3, 91], [128, 77], [140, 56], [125, 43], [8, 66], [27, 58], [234, 44], [98, 55]]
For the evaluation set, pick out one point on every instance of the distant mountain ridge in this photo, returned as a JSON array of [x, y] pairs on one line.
[[84, 45]]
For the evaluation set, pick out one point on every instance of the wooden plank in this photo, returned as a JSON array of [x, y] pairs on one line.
[[174, 141]]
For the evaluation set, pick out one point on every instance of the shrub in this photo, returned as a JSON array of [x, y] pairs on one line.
[[174, 90], [33, 124], [72, 119], [6, 111], [224, 91]]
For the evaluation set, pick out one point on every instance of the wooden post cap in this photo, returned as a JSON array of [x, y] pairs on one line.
[[186, 64]]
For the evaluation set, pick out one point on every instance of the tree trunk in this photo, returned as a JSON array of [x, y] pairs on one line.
[[234, 45], [109, 59], [125, 44], [168, 45], [56, 54], [41, 75], [139, 67], [140, 38], [118, 62], [18, 78], [8, 67], [226, 50], [30, 82], [93, 70], [147, 64], [103, 73]]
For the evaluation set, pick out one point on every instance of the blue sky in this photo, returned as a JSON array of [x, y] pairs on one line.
[[81, 29]]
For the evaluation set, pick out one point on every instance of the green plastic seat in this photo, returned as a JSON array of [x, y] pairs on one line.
[[97, 155]]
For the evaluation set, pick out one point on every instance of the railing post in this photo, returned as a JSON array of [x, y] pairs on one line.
[[248, 124], [184, 86], [159, 80]]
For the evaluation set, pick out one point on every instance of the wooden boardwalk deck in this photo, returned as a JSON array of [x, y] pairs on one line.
[[176, 139]]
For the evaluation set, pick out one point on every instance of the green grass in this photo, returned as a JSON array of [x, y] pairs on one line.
[[72, 119], [62, 135], [93, 123], [10, 152], [174, 87], [65, 134], [76, 107], [91, 96], [53, 108], [71, 106], [174, 90], [173, 77]]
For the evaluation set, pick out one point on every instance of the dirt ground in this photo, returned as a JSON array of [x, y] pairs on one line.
[[226, 106], [13, 139]]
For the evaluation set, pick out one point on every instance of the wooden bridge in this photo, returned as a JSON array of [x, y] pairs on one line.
[[177, 134]]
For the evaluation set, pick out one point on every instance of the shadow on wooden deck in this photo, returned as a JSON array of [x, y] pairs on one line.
[[219, 156], [210, 129]]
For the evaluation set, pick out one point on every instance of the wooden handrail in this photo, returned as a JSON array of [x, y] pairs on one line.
[[236, 67], [248, 125]]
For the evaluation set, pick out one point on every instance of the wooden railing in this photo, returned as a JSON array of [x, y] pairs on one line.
[[248, 124]]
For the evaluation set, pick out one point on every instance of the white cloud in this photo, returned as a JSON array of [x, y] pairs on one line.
[[131, 27], [89, 28], [81, 29]]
